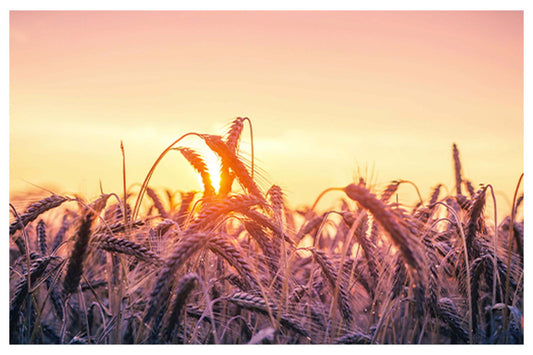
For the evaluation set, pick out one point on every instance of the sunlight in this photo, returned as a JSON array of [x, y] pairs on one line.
[[212, 161]]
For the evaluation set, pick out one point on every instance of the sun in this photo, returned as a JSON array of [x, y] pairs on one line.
[[212, 162]]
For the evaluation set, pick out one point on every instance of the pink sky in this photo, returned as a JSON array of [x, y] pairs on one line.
[[329, 94]]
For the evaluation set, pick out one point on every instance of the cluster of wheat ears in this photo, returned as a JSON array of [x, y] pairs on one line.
[[241, 267]]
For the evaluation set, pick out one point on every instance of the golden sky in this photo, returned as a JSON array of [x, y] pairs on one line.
[[331, 95]]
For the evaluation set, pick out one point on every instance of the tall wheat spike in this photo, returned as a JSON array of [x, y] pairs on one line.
[[78, 254], [457, 166], [232, 141]]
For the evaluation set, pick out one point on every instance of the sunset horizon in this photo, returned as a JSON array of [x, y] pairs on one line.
[[88, 80], [266, 177]]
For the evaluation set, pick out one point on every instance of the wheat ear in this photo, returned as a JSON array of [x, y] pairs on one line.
[[157, 202], [34, 210], [112, 244], [408, 245], [78, 254], [200, 166], [235, 257], [400, 236], [230, 158], [41, 237], [184, 288], [190, 244], [457, 168]]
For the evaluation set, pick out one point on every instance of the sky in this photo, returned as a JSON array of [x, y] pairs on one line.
[[332, 96]]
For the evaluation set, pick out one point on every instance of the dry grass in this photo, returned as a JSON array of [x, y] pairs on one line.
[[239, 266]]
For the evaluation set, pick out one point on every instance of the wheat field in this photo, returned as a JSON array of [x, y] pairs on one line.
[[234, 264]]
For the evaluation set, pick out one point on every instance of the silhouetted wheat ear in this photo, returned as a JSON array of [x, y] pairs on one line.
[[234, 133], [369, 250], [189, 245], [200, 166], [41, 237], [435, 194], [463, 202], [55, 298], [232, 141], [251, 302], [400, 236], [99, 204], [230, 159], [58, 239], [390, 190], [276, 203], [163, 227], [258, 304], [331, 275], [354, 338], [236, 281], [269, 249], [266, 222], [448, 314], [34, 210], [117, 227], [399, 278], [474, 220], [157, 202], [78, 254], [457, 167], [470, 188], [109, 243], [309, 227], [184, 288], [212, 211], [186, 200], [407, 243], [234, 256], [38, 268], [479, 267], [114, 213], [276, 200]]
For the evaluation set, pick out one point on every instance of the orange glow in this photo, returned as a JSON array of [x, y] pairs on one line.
[[213, 166], [332, 95]]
